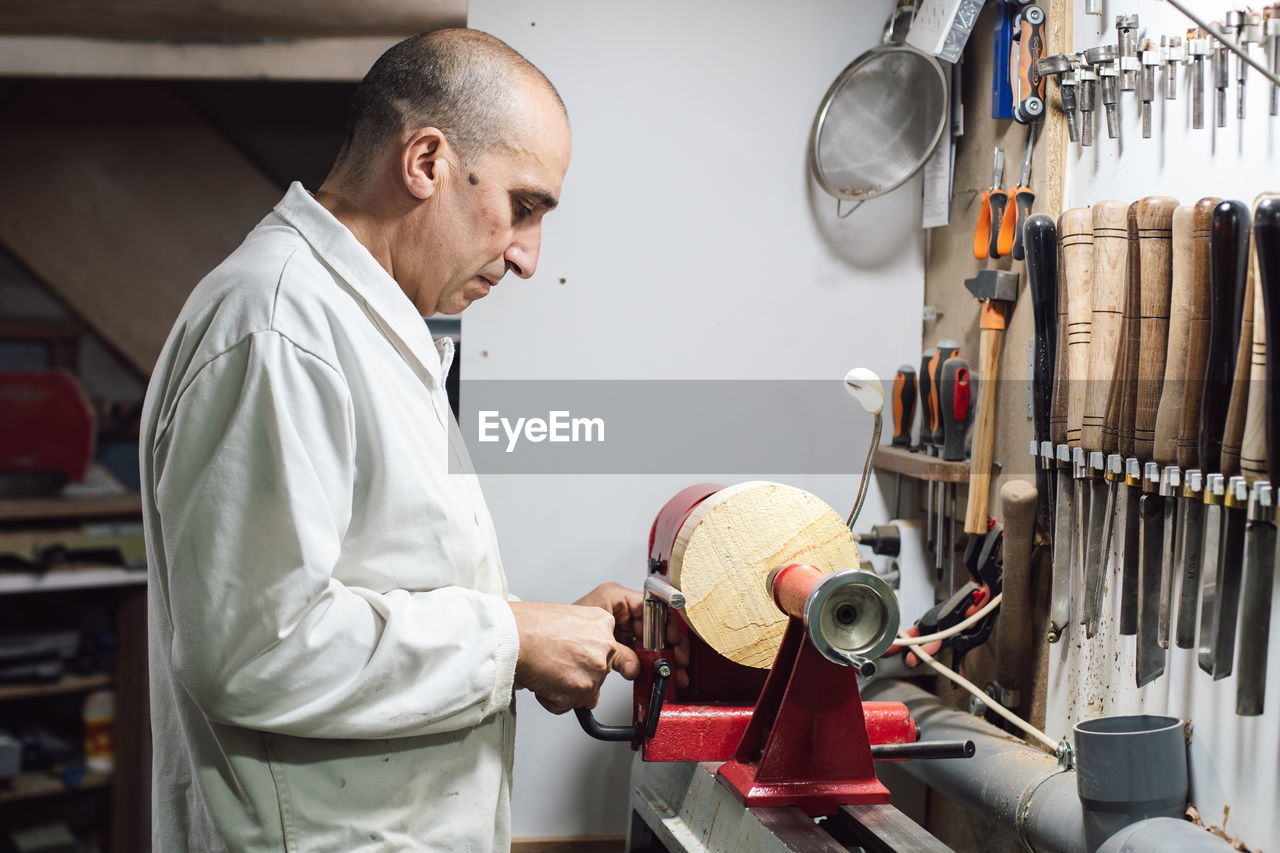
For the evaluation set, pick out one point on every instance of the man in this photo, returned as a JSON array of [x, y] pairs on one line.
[[333, 649]]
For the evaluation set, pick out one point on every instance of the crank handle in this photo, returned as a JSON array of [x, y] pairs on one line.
[[635, 732]]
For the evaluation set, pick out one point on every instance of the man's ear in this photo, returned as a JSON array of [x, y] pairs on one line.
[[422, 162]]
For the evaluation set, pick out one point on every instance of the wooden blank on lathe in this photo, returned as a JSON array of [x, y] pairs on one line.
[[725, 550]]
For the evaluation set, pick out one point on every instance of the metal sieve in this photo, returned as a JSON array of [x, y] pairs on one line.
[[878, 124]]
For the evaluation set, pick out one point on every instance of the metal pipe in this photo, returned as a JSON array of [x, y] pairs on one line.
[[1015, 784]]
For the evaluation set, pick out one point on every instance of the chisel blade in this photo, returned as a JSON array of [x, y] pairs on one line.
[[1211, 553], [1151, 654], [1129, 561], [1170, 483], [1064, 520], [1101, 507], [1255, 612], [1191, 532], [1230, 571]]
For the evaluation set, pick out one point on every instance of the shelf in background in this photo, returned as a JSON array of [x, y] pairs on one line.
[[64, 685], [43, 509], [27, 786], [922, 466], [69, 577]]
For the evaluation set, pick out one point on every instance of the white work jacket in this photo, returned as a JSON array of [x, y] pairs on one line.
[[332, 653]]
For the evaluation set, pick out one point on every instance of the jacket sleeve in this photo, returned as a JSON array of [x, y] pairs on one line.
[[255, 483]]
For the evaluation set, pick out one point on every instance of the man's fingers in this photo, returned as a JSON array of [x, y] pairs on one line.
[[625, 662]]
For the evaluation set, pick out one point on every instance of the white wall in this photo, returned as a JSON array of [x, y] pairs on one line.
[[1234, 759], [691, 245]]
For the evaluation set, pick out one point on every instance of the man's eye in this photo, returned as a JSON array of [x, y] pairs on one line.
[[523, 211]]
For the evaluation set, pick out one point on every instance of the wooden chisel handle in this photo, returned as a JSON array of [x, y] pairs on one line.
[[1229, 251], [1075, 228], [1266, 232], [1197, 335], [1061, 359], [1124, 380], [1253, 448], [1233, 432], [1110, 264], [1155, 248], [1013, 637], [1173, 391]]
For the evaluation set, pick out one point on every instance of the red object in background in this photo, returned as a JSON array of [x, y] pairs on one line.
[[46, 424]]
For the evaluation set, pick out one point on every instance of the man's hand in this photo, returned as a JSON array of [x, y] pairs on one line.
[[627, 607], [566, 650]]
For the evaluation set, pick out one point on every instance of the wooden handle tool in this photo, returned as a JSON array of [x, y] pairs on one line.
[[1110, 264], [1253, 447], [1076, 230], [1229, 254], [1061, 359], [1155, 238], [1122, 397], [1237, 408], [1267, 238], [1173, 391], [1197, 335], [1013, 651]]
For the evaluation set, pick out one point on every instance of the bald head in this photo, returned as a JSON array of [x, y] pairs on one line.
[[465, 83]]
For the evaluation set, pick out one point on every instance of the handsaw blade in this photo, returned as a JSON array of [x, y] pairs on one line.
[[1151, 655]]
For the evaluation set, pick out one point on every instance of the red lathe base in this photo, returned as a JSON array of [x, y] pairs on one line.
[[806, 744]]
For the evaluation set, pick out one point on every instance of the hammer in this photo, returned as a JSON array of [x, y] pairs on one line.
[[996, 291]]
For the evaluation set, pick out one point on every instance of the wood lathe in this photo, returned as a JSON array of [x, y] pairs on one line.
[[753, 574]]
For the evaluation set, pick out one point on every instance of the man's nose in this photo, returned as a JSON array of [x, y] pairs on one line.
[[522, 255]]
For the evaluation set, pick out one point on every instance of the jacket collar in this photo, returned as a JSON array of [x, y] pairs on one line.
[[339, 249]]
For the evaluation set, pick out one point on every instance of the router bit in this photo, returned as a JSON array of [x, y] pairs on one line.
[[1174, 55], [1127, 51], [1103, 58], [1250, 33], [1221, 74], [1198, 47], [1271, 32], [1151, 60], [1088, 83], [1063, 68]]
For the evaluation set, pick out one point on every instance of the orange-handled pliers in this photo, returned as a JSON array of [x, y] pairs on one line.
[[989, 220], [1016, 213]]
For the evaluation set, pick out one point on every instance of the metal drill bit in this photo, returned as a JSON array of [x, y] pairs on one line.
[[1271, 32], [1151, 60], [1174, 55], [1093, 7], [1250, 33], [1221, 74], [1103, 58], [1127, 51], [1198, 46], [1062, 67], [1087, 81]]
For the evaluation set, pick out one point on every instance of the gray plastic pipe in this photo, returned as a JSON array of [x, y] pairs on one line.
[[1005, 772]]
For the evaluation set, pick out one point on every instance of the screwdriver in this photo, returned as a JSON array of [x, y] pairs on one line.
[[945, 350], [904, 405], [985, 236], [953, 401], [1016, 213]]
